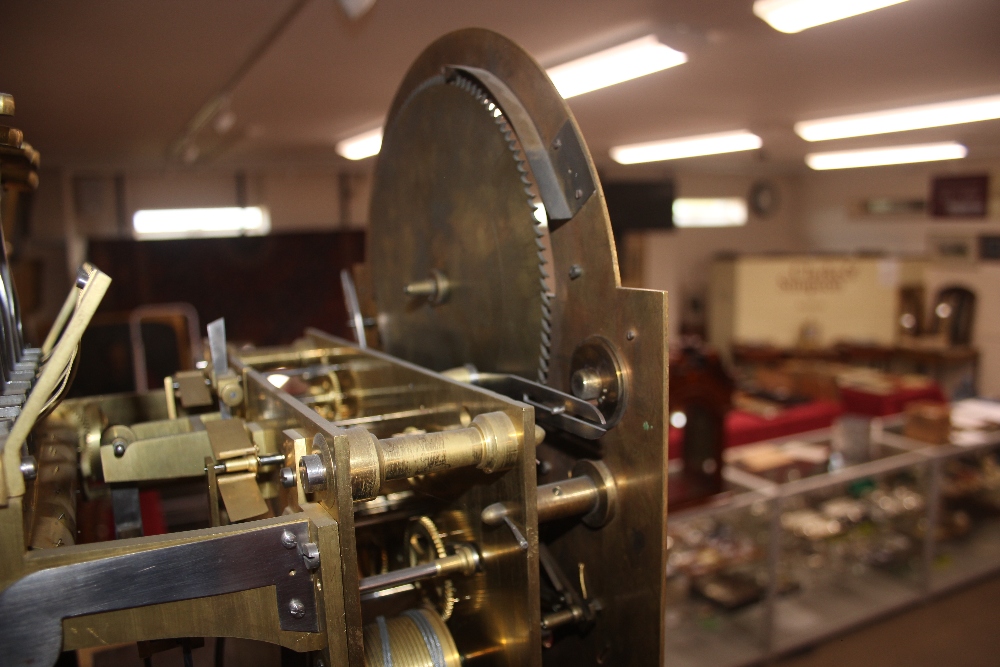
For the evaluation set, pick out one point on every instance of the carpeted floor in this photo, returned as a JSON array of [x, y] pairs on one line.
[[959, 630]]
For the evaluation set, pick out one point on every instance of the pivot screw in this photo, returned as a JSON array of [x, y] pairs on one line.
[[435, 289], [288, 539], [587, 384], [296, 608], [287, 477], [575, 271], [29, 467], [630, 335], [310, 555], [312, 472], [118, 447]]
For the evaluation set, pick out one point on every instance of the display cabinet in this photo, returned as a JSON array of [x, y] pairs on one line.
[[850, 547], [796, 552], [966, 543], [718, 579]]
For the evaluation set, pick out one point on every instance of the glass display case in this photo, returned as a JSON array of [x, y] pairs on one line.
[[717, 582], [803, 547], [850, 547], [966, 542], [965, 483]]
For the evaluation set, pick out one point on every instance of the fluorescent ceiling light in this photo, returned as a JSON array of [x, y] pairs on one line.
[[180, 223], [620, 63], [710, 212], [624, 62], [900, 120], [672, 149], [797, 15], [362, 145], [873, 157]]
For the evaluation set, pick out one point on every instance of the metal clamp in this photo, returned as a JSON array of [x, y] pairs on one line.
[[32, 609]]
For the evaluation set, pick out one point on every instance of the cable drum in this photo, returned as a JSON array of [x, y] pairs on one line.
[[417, 638]]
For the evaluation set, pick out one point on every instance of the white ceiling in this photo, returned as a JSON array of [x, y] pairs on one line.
[[115, 83]]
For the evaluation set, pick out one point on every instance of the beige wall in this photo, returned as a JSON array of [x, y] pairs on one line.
[[679, 261], [771, 300], [298, 199], [832, 223], [820, 213]]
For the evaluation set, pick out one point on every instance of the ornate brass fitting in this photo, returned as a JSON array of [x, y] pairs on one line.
[[491, 443]]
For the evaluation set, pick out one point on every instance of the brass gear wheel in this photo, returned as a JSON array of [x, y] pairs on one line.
[[424, 544]]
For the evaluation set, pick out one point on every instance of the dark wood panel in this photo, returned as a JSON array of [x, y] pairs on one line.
[[269, 288]]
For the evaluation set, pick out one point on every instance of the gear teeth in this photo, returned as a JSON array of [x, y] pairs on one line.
[[448, 604], [473, 88]]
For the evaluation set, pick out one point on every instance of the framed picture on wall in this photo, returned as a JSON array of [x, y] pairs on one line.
[[989, 247], [960, 196]]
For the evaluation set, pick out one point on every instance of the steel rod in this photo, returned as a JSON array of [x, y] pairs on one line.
[[465, 560]]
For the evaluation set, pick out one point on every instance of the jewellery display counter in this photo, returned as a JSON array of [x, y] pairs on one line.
[[800, 549], [717, 582], [965, 477]]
